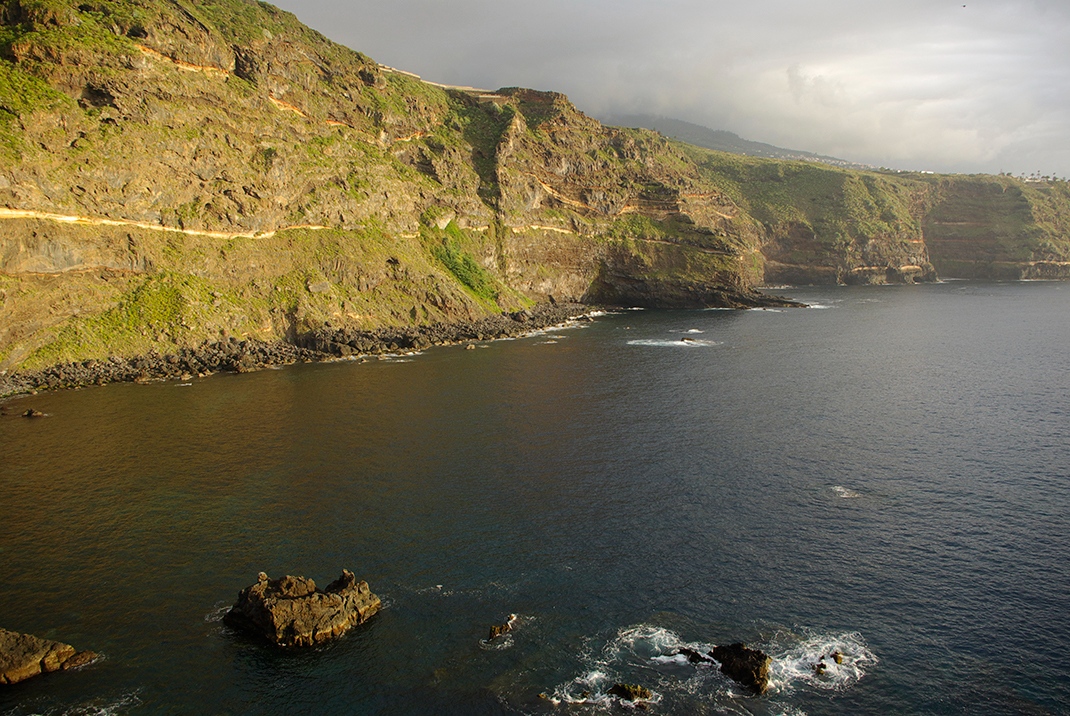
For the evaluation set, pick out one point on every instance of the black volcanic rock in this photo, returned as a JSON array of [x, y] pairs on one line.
[[749, 667]]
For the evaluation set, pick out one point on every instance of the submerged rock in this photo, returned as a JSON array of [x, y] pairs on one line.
[[25, 655], [291, 611], [749, 667]]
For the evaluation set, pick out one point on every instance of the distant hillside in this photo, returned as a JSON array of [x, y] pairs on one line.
[[721, 140]]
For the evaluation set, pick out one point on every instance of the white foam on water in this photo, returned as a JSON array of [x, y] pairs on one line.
[[643, 641], [646, 654], [591, 689], [766, 310], [673, 343], [812, 662], [586, 689], [694, 330], [183, 385], [818, 306], [678, 659], [631, 649], [500, 644], [845, 492], [216, 615], [101, 707]]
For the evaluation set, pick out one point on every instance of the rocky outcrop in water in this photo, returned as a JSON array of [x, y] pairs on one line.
[[24, 655], [749, 667], [291, 611], [498, 630], [630, 692]]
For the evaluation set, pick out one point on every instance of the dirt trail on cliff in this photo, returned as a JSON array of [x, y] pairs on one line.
[[7, 213]]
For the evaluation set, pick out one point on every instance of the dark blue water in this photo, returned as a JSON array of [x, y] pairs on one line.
[[887, 476]]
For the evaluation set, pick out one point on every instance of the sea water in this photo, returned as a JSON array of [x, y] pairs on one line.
[[884, 475]]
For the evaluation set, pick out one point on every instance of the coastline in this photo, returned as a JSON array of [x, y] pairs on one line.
[[321, 345]]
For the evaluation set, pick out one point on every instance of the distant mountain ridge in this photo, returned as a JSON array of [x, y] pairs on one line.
[[721, 140]]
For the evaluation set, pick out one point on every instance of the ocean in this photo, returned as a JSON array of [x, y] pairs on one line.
[[885, 474]]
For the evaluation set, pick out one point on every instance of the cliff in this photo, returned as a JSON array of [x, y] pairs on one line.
[[179, 172], [820, 224], [174, 172]]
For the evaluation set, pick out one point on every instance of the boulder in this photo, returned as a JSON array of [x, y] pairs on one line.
[[749, 667], [24, 655], [499, 630], [31, 413], [291, 611], [630, 692]]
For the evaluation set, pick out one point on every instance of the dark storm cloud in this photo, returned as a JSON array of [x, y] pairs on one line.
[[913, 84]]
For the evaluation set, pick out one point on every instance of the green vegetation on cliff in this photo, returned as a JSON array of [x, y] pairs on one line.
[[175, 171]]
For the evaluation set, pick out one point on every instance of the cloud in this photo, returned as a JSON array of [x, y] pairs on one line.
[[919, 84]]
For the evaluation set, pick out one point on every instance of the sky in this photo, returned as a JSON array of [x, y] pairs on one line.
[[949, 86]]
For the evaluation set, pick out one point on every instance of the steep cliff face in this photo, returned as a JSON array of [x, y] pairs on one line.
[[999, 227], [176, 171], [649, 230], [821, 224]]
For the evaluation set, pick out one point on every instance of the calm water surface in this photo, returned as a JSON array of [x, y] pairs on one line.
[[886, 475]]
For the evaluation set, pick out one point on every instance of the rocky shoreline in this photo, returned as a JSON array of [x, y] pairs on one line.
[[323, 344]]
